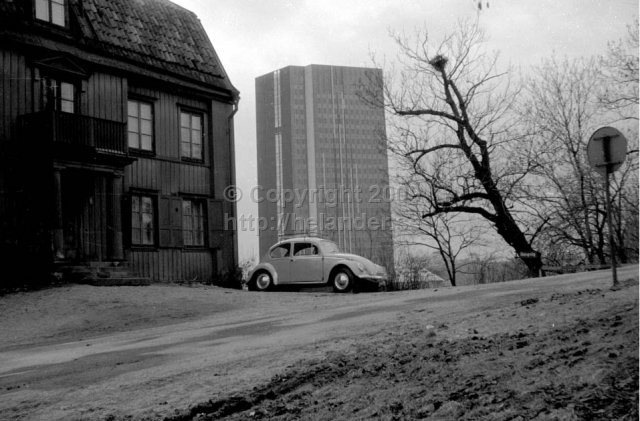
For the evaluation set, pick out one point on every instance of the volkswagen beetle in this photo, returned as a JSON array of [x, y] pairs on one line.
[[314, 261]]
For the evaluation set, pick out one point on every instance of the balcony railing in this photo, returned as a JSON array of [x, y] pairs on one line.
[[89, 133]]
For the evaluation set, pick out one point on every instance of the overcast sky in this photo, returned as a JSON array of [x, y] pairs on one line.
[[254, 37]]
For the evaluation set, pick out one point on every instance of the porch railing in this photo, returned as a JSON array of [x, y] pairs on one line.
[[103, 136]]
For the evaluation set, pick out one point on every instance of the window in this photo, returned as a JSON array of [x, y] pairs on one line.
[[59, 95], [142, 220], [140, 125], [281, 251], [277, 101], [193, 222], [304, 249], [52, 11], [191, 135], [279, 186]]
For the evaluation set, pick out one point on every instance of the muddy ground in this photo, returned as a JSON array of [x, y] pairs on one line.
[[580, 368], [556, 349]]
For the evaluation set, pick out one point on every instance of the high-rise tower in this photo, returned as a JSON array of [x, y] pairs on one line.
[[322, 160]]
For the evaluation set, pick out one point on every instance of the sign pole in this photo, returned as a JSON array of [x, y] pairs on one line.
[[606, 149], [612, 247]]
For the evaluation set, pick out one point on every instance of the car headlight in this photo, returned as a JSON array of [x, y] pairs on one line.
[[361, 268]]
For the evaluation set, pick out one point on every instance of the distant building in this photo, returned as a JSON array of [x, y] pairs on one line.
[[322, 160], [116, 141], [418, 279]]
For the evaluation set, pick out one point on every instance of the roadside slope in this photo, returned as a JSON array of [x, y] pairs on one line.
[[144, 353], [561, 356]]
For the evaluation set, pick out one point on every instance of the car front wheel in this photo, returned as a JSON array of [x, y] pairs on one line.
[[262, 282], [342, 280]]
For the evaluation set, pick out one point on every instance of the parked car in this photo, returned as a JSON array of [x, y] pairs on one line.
[[314, 261]]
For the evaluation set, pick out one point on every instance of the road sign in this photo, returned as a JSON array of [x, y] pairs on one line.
[[528, 254], [606, 150]]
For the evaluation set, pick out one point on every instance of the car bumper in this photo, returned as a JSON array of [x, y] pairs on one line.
[[376, 281], [374, 278]]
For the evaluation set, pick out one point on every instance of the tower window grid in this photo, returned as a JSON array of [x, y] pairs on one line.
[[277, 105]]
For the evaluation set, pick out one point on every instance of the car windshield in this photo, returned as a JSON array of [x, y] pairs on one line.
[[329, 247]]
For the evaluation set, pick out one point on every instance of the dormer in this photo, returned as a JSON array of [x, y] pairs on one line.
[[54, 12]]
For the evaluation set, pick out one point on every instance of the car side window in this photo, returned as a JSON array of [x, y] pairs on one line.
[[279, 252], [305, 249]]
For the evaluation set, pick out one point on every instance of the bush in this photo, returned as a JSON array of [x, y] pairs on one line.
[[231, 278]]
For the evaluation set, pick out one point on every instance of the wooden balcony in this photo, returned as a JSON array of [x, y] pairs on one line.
[[75, 133]]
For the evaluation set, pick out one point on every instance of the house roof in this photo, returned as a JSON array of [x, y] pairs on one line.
[[153, 33]]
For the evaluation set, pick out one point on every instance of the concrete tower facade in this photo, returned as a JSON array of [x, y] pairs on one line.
[[322, 160]]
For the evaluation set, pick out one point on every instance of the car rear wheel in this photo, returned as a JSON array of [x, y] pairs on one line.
[[342, 280], [262, 281]]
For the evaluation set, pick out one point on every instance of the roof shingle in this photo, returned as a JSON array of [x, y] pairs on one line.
[[155, 33]]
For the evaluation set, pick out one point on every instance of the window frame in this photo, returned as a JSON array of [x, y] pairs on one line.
[[195, 202], [154, 219], [52, 93], [151, 104], [191, 113], [49, 4]]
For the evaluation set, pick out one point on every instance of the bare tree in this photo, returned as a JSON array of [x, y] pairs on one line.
[[450, 235], [619, 73], [625, 206], [564, 110], [452, 125]]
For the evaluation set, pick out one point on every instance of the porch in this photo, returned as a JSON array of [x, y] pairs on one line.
[[87, 214]]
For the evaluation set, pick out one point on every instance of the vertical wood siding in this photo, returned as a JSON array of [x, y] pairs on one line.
[[17, 89], [168, 175], [173, 264], [105, 96]]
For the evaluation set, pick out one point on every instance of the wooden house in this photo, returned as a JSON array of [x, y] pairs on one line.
[[116, 141]]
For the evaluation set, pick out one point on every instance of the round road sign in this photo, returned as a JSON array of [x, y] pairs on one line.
[[606, 150]]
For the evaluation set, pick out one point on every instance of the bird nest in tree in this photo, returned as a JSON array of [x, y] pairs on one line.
[[438, 62]]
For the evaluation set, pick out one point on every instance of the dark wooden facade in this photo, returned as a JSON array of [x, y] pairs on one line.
[[71, 181]]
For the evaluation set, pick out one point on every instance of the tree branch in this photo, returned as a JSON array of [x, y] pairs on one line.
[[462, 209], [426, 112], [424, 152]]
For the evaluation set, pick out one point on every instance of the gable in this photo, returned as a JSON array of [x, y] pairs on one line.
[[62, 64]]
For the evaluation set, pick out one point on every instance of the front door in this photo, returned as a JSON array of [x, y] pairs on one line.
[[306, 263], [281, 261], [84, 212]]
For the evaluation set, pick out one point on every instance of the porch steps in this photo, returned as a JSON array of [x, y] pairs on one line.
[[100, 274]]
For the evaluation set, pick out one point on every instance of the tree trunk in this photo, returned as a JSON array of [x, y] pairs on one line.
[[506, 226]]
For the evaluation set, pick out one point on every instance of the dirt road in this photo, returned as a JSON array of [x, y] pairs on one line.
[[213, 343]]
